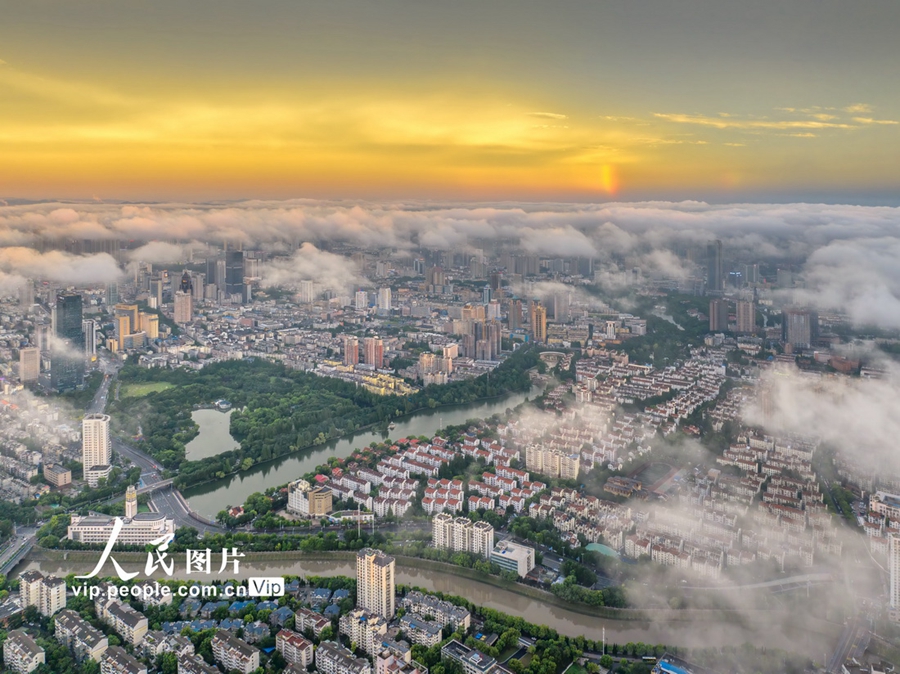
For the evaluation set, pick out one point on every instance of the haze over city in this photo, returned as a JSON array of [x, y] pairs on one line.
[[396, 337]]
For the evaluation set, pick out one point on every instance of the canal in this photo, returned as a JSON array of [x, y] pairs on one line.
[[208, 499], [793, 635]]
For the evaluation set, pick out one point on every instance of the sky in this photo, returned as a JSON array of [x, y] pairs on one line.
[[573, 100]]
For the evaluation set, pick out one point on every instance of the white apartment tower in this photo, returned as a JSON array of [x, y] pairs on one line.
[[375, 582], [96, 451]]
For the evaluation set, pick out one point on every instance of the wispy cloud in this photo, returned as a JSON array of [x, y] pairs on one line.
[[869, 120], [736, 123], [547, 115]]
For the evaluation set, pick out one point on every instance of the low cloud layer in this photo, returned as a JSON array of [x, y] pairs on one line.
[[330, 272], [849, 251]]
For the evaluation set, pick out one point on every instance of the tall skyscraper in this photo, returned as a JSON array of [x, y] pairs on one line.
[[384, 300], [96, 451], [515, 314], [746, 316], [374, 351], [539, 325], [715, 269], [487, 294], [184, 307], [751, 274], [799, 327], [234, 272], [561, 307], [718, 315], [894, 562], [307, 292], [112, 294], [351, 350], [29, 364], [90, 329], [375, 582], [67, 350]]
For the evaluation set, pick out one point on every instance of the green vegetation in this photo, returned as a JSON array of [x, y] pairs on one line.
[[82, 398], [140, 390], [277, 410]]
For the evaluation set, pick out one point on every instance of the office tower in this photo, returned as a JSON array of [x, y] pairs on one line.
[[784, 278], [751, 274], [29, 364], [130, 311], [67, 350], [251, 267], [26, 295], [123, 329], [492, 310], [496, 281], [148, 324], [351, 350], [746, 316], [220, 274], [539, 326], [157, 286], [561, 308], [306, 292], [375, 582], [894, 562], [96, 452], [184, 307], [718, 315], [131, 503], [384, 300], [234, 272], [42, 333], [374, 351], [361, 300], [90, 329], [211, 267], [186, 285], [487, 294], [715, 271], [515, 314], [198, 283], [435, 276], [112, 294], [799, 327]]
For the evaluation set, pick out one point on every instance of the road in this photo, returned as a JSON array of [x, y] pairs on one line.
[[18, 546], [854, 635]]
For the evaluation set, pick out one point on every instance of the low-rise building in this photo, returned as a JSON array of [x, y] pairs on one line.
[[79, 636], [116, 661], [142, 529], [232, 653], [294, 648], [332, 658], [21, 653], [513, 557]]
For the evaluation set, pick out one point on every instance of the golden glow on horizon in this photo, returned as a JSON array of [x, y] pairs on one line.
[[70, 138]]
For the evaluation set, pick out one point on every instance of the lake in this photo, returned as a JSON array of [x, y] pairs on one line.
[[214, 436]]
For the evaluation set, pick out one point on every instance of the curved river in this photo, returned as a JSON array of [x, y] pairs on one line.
[[693, 634], [208, 499]]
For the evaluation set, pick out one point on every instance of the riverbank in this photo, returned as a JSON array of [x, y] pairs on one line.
[[211, 496], [673, 627]]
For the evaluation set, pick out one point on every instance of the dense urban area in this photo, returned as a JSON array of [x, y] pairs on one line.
[[636, 464]]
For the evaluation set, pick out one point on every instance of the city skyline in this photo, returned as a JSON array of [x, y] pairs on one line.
[[597, 102]]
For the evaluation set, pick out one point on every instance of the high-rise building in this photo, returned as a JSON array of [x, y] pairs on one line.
[[539, 327], [306, 292], [799, 327], [26, 295], [131, 502], [561, 308], [894, 562], [375, 590], [487, 294], [67, 350], [198, 285], [148, 324], [751, 274], [746, 316], [184, 307], [515, 314], [234, 272], [90, 329], [784, 278], [384, 300], [47, 593], [112, 294], [129, 311], [96, 452], [29, 364], [460, 534], [351, 350], [718, 315], [374, 351], [715, 268], [361, 300]]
